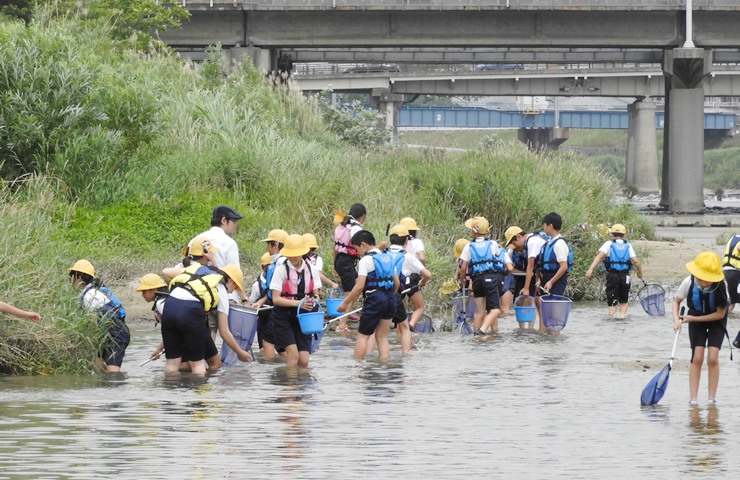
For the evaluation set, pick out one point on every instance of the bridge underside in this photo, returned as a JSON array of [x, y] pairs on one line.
[[455, 29]]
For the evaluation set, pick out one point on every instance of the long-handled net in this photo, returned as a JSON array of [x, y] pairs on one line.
[[652, 298]]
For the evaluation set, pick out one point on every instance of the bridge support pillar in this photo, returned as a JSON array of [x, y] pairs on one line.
[[543, 138], [683, 159], [388, 104], [641, 170], [262, 58]]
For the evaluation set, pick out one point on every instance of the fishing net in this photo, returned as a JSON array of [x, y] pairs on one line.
[[555, 310], [243, 326], [652, 299], [316, 340], [655, 389], [424, 325], [463, 328]]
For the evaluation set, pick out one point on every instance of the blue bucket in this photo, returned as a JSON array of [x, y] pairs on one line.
[[555, 310], [524, 313], [243, 326], [332, 304], [311, 322], [652, 299]]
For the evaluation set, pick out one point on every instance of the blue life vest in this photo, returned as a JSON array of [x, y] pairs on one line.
[[547, 260], [482, 260], [268, 278], [619, 257], [700, 302], [382, 277], [520, 260], [112, 309], [398, 258], [731, 259]]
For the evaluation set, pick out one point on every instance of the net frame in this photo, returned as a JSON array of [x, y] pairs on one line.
[[652, 299]]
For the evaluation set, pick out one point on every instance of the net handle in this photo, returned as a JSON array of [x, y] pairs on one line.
[[675, 341]]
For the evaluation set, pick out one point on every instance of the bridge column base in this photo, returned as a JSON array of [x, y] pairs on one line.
[[641, 169], [543, 138], [388, 103], [262, 58]]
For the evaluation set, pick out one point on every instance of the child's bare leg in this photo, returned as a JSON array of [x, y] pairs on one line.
[[612, 310], [370, 344], [381, 336], [303, 359], [268, 349], [361, 346], [491, 320], [713, 366], [695, 372], [198, 367], [112, 368], [480, 311], [292, 354], [418, 304], [623, 308], [172, 365], [403, 330], [506, 303]]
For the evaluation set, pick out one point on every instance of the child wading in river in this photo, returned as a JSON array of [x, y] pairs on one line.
[[705, 292]]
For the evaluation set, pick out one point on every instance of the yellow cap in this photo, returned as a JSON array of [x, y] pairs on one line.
[[477, 225], [409, 223], [309, 240], [619, 228], [266, 259], [459, 245], [401, 230], [83, 266], [276, 235], [294, 247], [338, 217], [198, 245], [706, 266], [150, 281], [510, 233], [235, 274]]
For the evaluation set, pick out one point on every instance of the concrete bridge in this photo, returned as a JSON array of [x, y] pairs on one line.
[[275, 33]]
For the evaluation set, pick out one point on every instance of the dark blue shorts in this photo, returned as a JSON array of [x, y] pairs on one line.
[[346, 267], [185, 332], [559, 287], [264, 328], [732, 277], [379, 305], [617, 288], [287, 330], [114, 348], [488, 285], [400, 314]]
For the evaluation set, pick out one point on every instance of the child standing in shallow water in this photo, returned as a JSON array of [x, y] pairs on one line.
[[705, 292]]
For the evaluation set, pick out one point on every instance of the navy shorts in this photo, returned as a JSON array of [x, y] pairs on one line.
[[411, 282], [264, 328], [400, 314], [114, 348], [287, 330], [732, 277], [488, 285], [345, 265], [517, 283], [211, 349], [617, 288], [184, 330], [559, 287], [379, 305], [707, 334]]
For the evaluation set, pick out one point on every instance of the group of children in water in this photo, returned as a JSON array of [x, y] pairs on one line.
[[192, 300]]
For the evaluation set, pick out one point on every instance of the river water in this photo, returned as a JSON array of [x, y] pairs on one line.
[[516, 405]]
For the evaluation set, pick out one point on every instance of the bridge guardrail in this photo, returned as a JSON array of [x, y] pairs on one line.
[[468, 4]]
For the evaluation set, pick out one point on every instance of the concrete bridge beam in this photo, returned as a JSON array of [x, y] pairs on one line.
[[543, 138], [641, 170]]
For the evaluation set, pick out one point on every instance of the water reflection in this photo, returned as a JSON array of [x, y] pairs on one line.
[[705, 440], [381, 380]]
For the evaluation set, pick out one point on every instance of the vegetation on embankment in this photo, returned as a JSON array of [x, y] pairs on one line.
[[133, 150]]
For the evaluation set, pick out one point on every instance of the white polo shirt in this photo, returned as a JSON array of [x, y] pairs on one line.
[[228, 251], [465, 255]]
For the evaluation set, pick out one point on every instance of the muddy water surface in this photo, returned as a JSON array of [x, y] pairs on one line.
[[518, 405]]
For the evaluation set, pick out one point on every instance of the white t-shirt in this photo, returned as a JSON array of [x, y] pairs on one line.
[[607, 246], [159, 305], [94, 299], [534, 245], [223, 299], [354, 227], [366, 264], [561, 249], [228, 251], [278, 278], [416, 246], [319, 262], [465, 255], [254, 295], [411, 264], [683, 289]]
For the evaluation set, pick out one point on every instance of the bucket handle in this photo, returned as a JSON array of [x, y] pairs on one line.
[[317, 303], [331, 294]]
